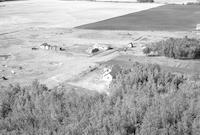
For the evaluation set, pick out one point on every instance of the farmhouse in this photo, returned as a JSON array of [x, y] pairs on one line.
[[131, 45], [45, 46], [98, 47], [42, 46], [110, 73], [101, 46]]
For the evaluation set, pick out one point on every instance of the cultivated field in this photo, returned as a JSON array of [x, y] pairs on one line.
[[55, 13], [164, 18]]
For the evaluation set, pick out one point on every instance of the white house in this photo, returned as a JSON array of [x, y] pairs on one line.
[[101, 46], [131, 45], [110, 73], [108, 78], [42, 46], [106, 75], [45, 46]]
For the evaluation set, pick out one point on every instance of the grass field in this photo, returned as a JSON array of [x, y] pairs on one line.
[[163, 18], [57, 13]]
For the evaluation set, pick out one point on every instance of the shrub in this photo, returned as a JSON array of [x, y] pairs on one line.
[[178, 48], [147, 50], [95, 50]]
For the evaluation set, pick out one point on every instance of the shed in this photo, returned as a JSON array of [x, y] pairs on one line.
[[198, 27]]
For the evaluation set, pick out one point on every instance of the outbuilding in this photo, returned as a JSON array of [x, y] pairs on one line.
[[198, 27]]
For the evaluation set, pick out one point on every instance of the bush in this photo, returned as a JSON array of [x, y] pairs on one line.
[[147, 50], [178, 48], [95, 50], [144, 100], [145, 0]]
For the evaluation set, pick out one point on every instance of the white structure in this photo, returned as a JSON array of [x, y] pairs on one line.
[[47, 47], [108, 78], [106, 75], [198, 27], [131, 45], [107, 70], [42, 46], [13, 72], [153, 53], [97, 47], [101, 46]]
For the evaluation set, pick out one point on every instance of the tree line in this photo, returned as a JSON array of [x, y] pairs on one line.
[[178, 48]]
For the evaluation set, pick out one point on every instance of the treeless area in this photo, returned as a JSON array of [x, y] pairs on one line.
[[163, 18]]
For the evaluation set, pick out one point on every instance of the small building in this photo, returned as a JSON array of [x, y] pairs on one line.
[[45, 46], [108, 78], [131, 45], [54, 48], [101, 46], [48, 47], [198, 27], [106, 75], [107, 70], [153, 53], [98, 47], [42, 46], [110, 73]]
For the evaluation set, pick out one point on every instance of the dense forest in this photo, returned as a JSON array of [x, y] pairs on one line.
[[178, 48], [143, 100]]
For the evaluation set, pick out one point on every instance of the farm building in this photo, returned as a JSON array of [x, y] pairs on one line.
[[131, 45], [46, 46], [110, 73], [198, 27], [54, 48], [98, 47], [101, 46]]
